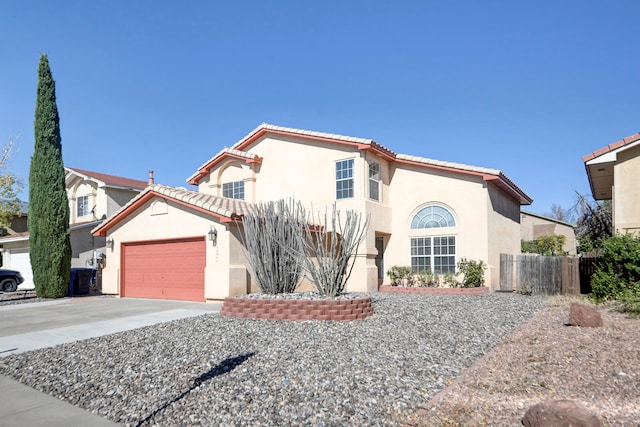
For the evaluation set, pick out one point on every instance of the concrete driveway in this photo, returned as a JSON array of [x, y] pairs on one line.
[[30, 326]]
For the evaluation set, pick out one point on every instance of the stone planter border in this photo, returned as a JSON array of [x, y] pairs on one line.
[[483, 290], [297, 309]]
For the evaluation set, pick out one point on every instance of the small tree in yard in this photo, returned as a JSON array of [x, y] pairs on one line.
[[273, 246], [48, 221], [9, 188], [331, 246], [473, 272]]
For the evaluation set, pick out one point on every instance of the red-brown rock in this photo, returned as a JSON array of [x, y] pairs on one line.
[[560, 413], [584, 315]]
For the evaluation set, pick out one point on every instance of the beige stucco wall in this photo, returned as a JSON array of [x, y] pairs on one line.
[[533, 227], [626, 192], [413, 188], [503, 231], [225, 271]]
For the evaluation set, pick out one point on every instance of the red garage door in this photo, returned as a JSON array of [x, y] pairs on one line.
[[168, 270]]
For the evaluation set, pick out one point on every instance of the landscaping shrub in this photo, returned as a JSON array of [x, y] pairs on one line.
[[630, 301], [451, 281], [428, 279], [400, 275], [618, 271], [473, 272]]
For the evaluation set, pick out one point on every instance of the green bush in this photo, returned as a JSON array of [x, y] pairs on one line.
[[473, 272], [618, 269], [451, 281], [630, 301], [428, 280], [400, 275]]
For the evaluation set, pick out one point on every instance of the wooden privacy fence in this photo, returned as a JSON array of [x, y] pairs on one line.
[[539, 275]]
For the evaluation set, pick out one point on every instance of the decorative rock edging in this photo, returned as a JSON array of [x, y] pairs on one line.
[[297, 309], [482, 290]]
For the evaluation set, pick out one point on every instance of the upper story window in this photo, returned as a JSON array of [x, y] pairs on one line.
[[233, 190], [374, 180], [344, 179], [82, 203], [433, 216]]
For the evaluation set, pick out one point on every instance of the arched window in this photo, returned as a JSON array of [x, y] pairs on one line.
[[432, 216], [430, 251]]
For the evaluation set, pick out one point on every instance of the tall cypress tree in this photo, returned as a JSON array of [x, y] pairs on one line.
[[49, 235]]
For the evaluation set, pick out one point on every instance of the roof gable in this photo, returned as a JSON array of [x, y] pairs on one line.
[[105, 180], [222, 208]]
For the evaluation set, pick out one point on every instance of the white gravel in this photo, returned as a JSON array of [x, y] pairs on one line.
[[214, 370]]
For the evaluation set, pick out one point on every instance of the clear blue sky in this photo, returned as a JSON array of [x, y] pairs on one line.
[[527, 87]]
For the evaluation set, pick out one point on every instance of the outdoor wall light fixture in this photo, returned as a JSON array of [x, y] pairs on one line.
[[110, 243], [213, 235]]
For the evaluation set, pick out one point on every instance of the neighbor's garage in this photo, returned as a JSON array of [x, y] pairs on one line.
[[172, 269]]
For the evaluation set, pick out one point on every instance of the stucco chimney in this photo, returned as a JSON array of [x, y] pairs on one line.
[[150, 177]]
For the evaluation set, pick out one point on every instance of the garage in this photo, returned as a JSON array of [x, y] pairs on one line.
[[168, 269], [21, 261]]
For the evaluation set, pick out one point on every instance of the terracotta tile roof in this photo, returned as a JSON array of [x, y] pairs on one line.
[[611, 147], [110, 180], [450, 165], [223, 208]]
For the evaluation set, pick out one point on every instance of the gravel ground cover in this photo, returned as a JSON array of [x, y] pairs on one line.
[[213, 370], [544, 359]]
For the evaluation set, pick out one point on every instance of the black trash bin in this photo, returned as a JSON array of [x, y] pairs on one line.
[[80, 281]]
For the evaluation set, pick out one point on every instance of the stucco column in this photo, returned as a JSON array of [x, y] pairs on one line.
[[364, 277]]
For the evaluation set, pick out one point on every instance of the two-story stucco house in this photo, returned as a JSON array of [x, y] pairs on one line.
[[614, 174], [185, 244], [93, 197]]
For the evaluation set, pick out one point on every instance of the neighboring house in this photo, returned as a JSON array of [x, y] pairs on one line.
[[92, 198], [18, 223], [534, 226], [181, 244], [614, 174]]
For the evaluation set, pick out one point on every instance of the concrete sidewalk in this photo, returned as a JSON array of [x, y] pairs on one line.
[[31, 326]]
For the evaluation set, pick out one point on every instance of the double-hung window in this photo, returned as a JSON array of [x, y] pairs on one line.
[[233, 190], [344, 179], [82, 203], [374, 180], [433, 254]]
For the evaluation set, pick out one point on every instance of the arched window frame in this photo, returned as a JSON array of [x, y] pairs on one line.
[[433, 242]]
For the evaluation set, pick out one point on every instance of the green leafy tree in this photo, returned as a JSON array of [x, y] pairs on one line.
[[49, 235], [10, 186], [545, 245]]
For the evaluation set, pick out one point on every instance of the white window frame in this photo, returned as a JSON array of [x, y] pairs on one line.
[[374, 180], [233, 190], [438, 251], [345, 188], [82, 206]]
